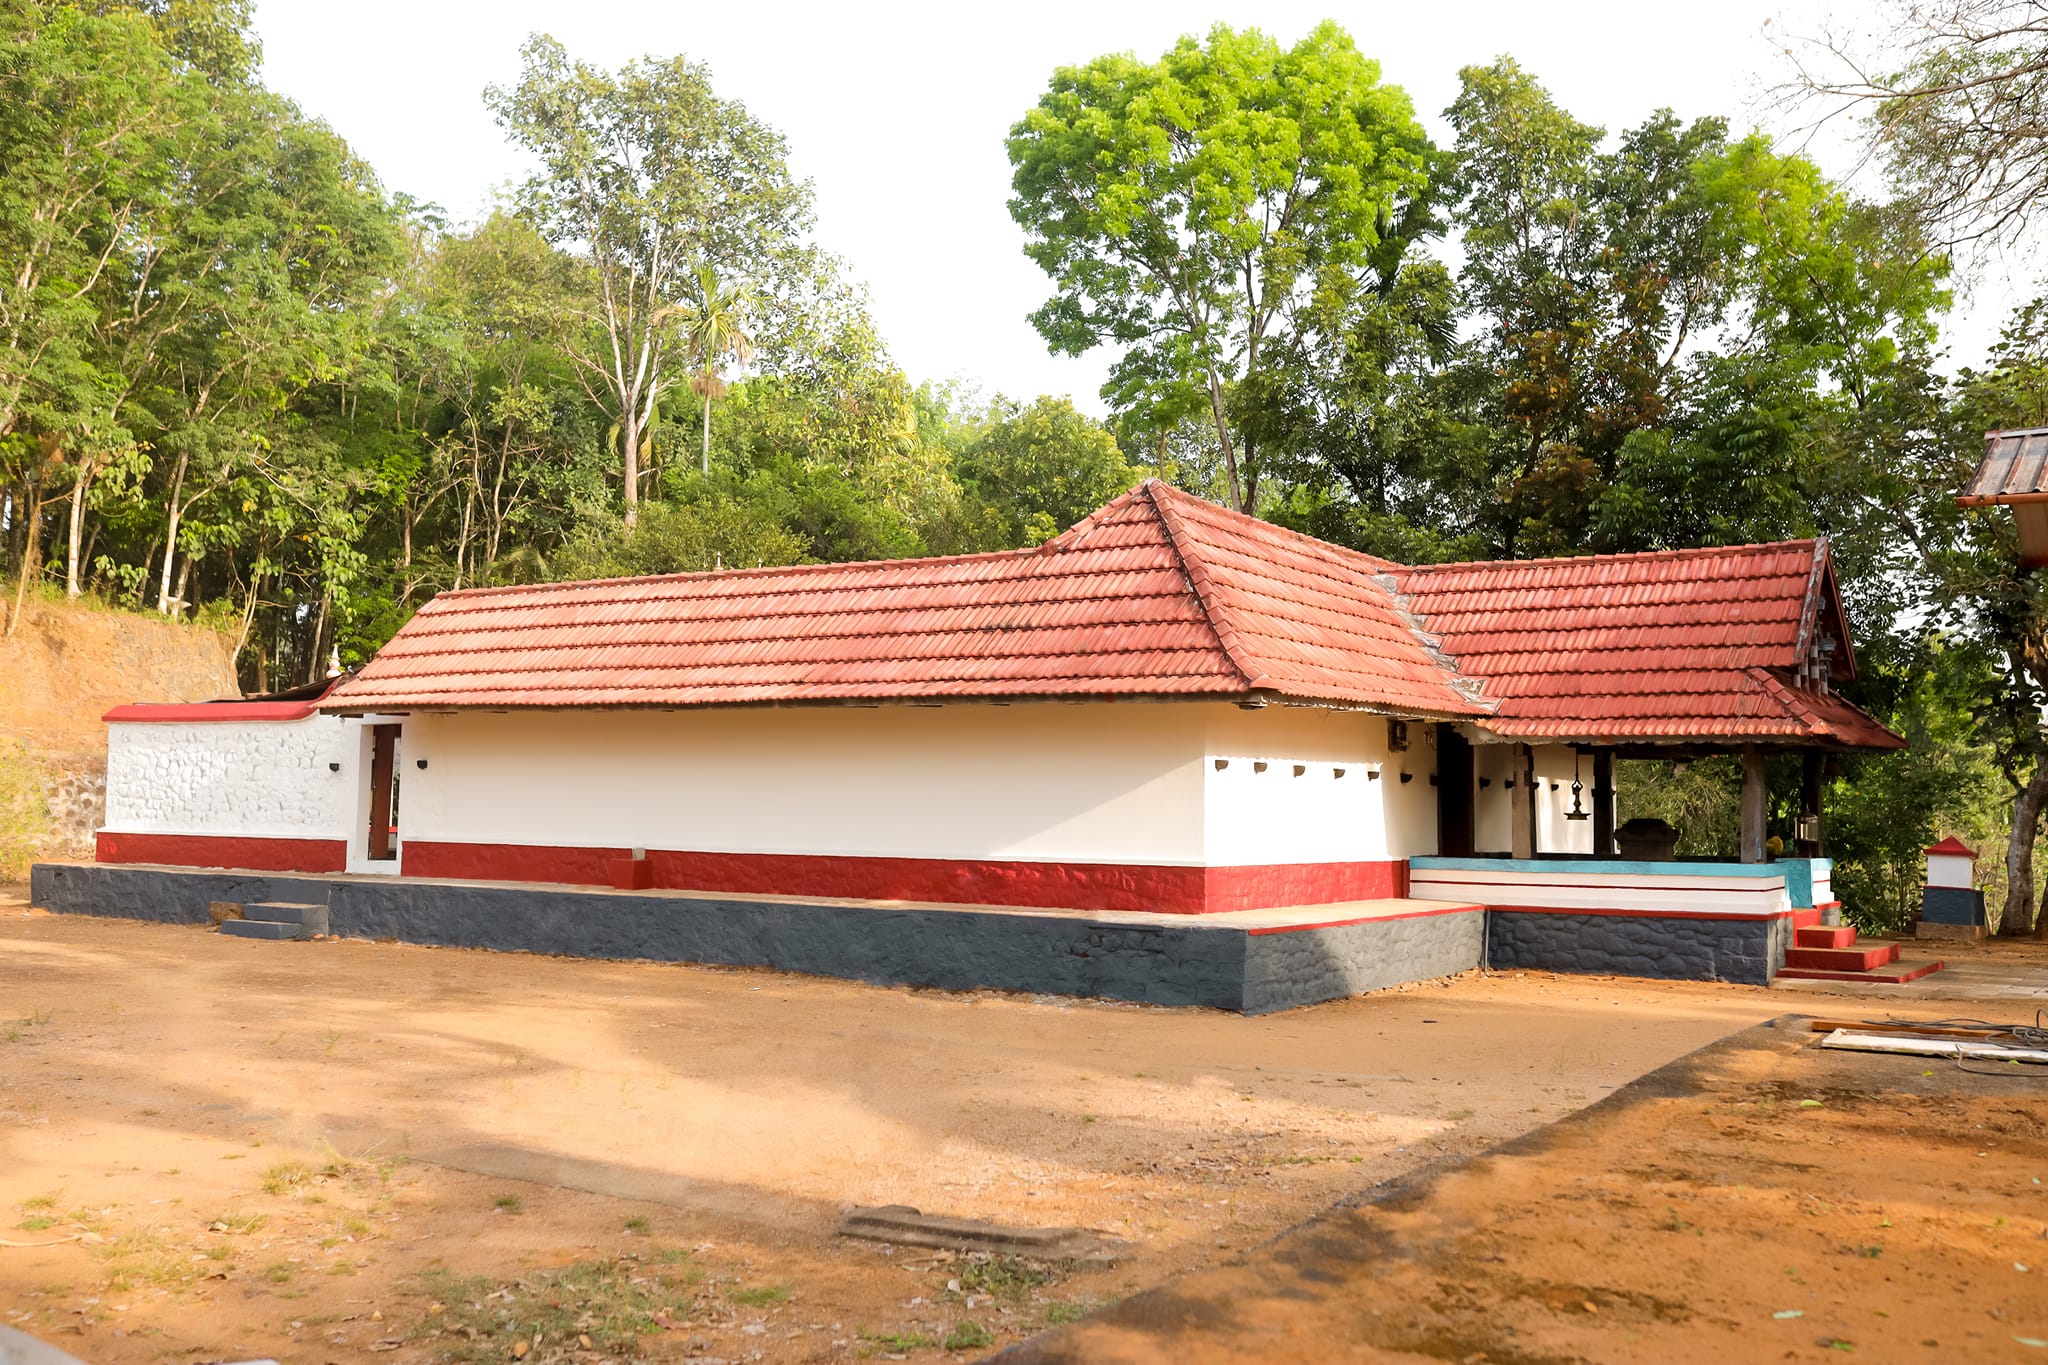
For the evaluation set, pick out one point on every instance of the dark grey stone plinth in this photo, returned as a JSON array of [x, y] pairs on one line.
[[1179, 962], [1951, 905], [1671, 947]]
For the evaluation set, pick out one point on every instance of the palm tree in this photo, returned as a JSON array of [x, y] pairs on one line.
[[714, 326]]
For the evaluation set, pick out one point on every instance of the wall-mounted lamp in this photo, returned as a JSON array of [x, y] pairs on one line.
[[421, 765]]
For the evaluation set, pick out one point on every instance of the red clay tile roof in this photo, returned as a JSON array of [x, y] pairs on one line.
[[1157, 594], [1674, 646], [1163, 594]]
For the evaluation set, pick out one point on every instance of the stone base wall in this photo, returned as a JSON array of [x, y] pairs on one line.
[[1671, 947], [1172, 964]]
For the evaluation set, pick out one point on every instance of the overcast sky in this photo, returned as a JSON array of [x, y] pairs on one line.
[[898, 112]]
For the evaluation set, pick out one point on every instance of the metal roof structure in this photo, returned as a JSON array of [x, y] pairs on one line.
[[1161, 594], [2014, 473]]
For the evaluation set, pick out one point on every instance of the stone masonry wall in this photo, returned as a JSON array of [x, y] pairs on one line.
[[232, 778]]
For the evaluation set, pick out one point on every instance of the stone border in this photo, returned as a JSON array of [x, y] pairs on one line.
[[1218, 966], [1749, 950]]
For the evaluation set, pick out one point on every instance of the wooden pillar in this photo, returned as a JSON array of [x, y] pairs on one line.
[[1810, 799], [1603, 802], [1522, 802], [1753, 801]]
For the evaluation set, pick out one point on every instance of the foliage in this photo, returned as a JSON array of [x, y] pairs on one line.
[[1183, 207]]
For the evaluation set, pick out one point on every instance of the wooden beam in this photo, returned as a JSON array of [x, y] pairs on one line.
[[1603, 802], [1754, 798], [1522, 802], [1811, 788]]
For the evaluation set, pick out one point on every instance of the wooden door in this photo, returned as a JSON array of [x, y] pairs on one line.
[[383, 782]]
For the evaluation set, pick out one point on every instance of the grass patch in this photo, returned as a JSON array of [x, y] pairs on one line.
[[968, 1336], [1005, 1277], [1062, 1312], [900, 1343], [37, 1222], [287, 1178], [639, 1227], [761, 1296], [279, 1272], [614, 1303], [509, 1203], [232, 1223]]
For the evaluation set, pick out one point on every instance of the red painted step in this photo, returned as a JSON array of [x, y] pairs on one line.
[[1904, 971], [1824, 936], [1803, 919], [1858, 959]]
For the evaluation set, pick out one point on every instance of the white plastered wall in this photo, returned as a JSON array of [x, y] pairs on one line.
[[268, 779], [1273, 792], [1127, 782], [1492, 831]]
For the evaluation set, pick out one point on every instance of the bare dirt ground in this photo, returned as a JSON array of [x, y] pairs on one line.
[[347, 1151], [1764, 1200]]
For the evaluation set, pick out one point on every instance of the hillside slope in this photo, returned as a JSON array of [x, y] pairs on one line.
[[60, 673]]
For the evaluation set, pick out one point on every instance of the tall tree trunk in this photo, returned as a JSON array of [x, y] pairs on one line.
[[179, 601], [1223, 436], [707, 435], [31, 557], [73, 588], [2021, 901], [629, 434], [174, 512], [248, 621]]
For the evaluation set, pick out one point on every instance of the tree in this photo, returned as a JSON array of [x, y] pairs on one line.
[[714, 325], [648, 176], [1038, 469], [1958, 108], [1185, 208]]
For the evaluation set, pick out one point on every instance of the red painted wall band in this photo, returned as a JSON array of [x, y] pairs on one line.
[[1043, 885], [224, 850]]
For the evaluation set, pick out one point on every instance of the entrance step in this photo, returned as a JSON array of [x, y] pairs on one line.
[[1894, 974], [1824, 936], [1860, 958], [261, 928], [1807, 918], [309, 917]]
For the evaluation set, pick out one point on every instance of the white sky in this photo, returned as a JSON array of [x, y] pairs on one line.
[[898, 112]]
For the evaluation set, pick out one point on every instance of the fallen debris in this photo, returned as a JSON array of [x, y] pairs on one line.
[[905, 1226], [1981, 1049]]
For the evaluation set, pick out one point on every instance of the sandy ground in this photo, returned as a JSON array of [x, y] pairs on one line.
[[1766, 1200], [342, 1151]]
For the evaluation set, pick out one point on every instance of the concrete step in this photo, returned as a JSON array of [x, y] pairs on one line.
[[1891, 975], [1804, 919], [1824, 936], [1861, 958], [312, 918], [261, 928]]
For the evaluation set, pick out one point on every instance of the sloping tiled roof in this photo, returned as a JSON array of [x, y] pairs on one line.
[[1687, 644], [1163, 594], [2015, 464], [1159, 593]]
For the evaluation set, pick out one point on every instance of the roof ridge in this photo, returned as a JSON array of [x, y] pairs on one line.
[[1471, 688], [1200, 584], [1809, 605], [1323, 547], [1614, 555]]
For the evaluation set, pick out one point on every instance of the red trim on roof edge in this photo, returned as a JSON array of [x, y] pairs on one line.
[[1950, 847], [146, 711]]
